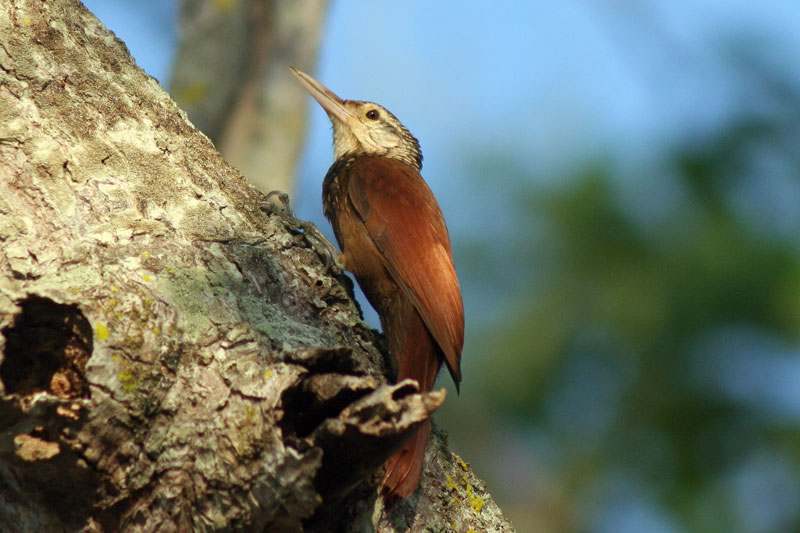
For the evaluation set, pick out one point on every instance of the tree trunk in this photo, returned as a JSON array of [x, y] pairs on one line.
[[229, 75], [171, 358]]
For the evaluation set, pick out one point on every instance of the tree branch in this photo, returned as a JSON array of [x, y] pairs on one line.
[[171, 358]]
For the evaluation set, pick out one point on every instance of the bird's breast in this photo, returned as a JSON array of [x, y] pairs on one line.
[[360, 255]]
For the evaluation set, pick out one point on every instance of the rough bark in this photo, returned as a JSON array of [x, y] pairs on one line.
[[229, 75], [171, 358]]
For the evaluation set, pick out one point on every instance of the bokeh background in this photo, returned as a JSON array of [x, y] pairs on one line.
[[622, 185]]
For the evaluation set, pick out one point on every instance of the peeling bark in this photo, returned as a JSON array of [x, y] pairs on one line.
[[171, 358]]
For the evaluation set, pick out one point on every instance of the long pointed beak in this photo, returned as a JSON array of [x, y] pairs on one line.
[[332, 104]]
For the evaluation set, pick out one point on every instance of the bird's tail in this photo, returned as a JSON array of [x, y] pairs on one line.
[[404, 468], [417, 357]]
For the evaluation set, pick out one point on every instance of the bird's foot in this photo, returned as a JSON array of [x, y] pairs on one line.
[[324, 248], [319, 243]]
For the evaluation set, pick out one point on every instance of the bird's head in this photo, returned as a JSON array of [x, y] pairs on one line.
[[363, 128]]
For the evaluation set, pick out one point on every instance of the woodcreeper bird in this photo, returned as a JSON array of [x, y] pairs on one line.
[[394, 240]]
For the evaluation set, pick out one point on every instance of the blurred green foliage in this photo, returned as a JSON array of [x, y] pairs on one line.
[[610, 366]]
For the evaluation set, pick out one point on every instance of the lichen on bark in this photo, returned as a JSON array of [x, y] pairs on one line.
[[171, 357]]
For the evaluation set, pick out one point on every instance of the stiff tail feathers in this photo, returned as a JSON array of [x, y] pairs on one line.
[[404, 468], [419, 358]]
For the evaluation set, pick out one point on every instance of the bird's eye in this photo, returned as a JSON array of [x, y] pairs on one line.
[[372, 114]]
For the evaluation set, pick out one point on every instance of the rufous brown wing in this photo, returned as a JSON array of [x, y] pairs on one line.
[[395, 241]]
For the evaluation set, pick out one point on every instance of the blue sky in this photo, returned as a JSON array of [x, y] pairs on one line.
[[550, 86], [553, 84]]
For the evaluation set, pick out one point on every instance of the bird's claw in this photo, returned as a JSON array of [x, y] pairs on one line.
[[319, 243], [324, 248]]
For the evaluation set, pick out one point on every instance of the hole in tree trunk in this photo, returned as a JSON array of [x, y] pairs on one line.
[[47, 348]]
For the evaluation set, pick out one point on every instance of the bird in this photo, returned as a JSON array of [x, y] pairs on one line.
[[394, 240]]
